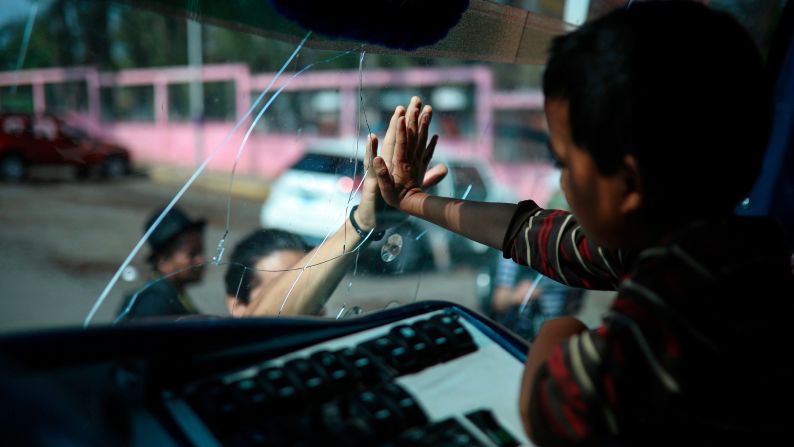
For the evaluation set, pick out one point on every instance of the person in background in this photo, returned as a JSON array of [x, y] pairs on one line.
[[522, 299], [256, 260], [176, 260]]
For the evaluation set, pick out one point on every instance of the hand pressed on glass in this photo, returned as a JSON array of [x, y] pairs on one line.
[[405, 172]]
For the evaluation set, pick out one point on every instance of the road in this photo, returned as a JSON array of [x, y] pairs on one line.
[[62, 241]]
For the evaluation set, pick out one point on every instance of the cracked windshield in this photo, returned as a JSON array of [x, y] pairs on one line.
[[165, 161]]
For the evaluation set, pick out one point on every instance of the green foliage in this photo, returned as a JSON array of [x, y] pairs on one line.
[[113, 35]]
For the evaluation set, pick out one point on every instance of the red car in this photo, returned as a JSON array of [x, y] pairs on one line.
[[30, 140]]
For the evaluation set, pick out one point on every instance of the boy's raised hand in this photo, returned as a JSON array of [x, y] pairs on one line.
[[401, 169]]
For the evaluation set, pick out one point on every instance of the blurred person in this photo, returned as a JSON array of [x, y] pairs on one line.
[[176, 260], [255, 261], [521, 300], [659, 115]]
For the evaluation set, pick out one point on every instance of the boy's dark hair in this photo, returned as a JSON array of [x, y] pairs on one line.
[[249, 251], [679, 86]]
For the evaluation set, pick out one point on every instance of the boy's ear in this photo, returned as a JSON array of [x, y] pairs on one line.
[[634, 193]]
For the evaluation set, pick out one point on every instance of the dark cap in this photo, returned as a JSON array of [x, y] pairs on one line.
[[173, 224]]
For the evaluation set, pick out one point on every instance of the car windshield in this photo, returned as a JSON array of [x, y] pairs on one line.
[[169, 160]]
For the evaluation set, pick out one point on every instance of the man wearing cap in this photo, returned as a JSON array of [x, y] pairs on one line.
[[177, 260]]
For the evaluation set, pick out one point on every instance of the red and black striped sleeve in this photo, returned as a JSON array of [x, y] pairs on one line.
[[553, 243], [568, 405], [590, 384]]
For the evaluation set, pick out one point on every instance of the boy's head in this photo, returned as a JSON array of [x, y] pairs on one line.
[[256, 260], [177, 247], [659, 115]]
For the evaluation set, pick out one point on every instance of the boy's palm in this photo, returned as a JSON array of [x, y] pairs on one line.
[[402, 167]]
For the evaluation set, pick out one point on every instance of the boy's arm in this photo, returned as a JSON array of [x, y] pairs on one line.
[[483, 222], [553, 238], [399, 178], [579, 385], [553, 243], [552, 334], [561, 399]]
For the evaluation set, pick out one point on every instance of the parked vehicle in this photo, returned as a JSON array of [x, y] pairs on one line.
[[32, 140], [313, 196]]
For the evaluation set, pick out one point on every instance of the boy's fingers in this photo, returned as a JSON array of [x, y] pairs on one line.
[[410, 145], [400, 151], [424, 125], [391, 134], [412, 125], [371, 151], [431, 148], [385, 180], [413, 107]]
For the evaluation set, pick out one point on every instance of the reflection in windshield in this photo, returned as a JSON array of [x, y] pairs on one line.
[[187, 185], [298, 167]]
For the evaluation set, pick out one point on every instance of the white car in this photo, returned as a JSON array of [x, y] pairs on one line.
[[312, 199]]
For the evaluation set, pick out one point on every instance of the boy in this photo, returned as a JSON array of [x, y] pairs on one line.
[[658, 117]]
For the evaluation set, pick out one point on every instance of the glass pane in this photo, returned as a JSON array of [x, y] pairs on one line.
[[272, 155], [521, 135], [299, 113], [134, 103], [218, 103], [66, 97], [263, 141], [18, 98], [179, 102]]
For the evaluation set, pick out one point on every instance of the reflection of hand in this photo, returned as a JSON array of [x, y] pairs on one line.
[[372, 211], [371, 201], [402, 167]]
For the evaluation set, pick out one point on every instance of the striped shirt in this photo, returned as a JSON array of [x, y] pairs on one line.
[[691, 349]]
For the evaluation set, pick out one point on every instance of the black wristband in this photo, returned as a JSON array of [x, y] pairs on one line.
[[376, 235]]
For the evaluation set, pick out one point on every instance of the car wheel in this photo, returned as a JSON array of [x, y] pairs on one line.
[[13, 168], [115, 167]]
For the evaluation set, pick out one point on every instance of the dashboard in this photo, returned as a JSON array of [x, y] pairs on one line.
[[430, 373]]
